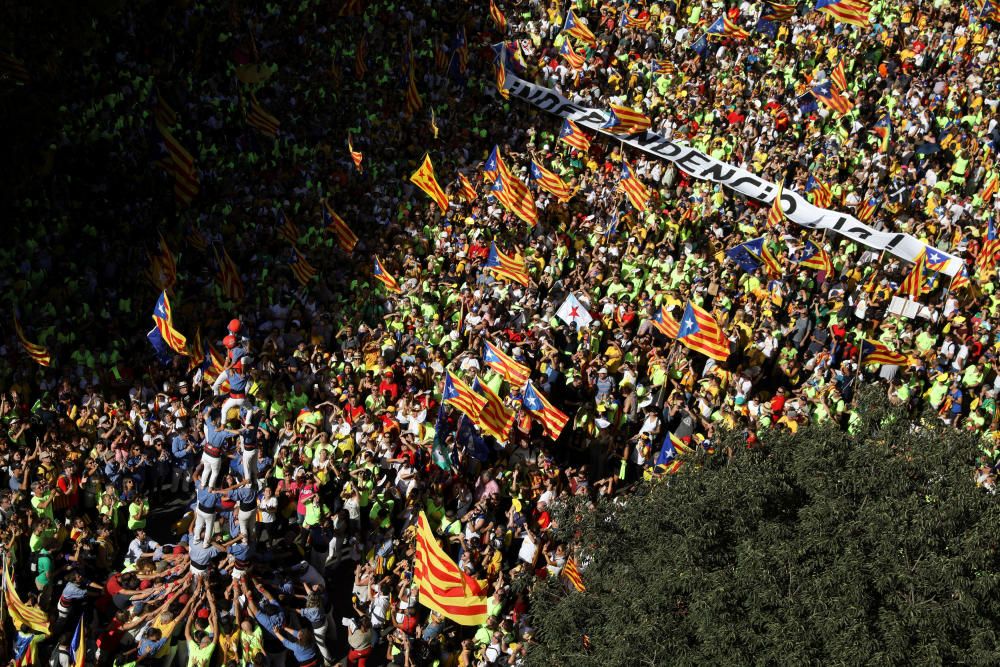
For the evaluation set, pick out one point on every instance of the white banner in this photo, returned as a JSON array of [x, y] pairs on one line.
[[705, 167]]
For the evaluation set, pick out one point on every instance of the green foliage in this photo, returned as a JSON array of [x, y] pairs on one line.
[[819, 547]]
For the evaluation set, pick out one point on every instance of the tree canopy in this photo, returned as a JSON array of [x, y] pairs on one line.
[[822, 547]]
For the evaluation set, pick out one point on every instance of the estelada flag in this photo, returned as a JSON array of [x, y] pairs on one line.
[[465, 189], [495, 419], [775, 214], [515, 373], [384, 277], [442, 586], [550, 182], [553, 419], [573, 26], [460, 396], [424, 179], [700, 332], [636, 190], [572, 135], [913, 285], [346, 238], [624, 120], [498, 17], [514, 194], [38, 353]]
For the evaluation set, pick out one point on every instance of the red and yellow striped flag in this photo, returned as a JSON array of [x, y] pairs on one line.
[[355, 155], [424, 179], [552, 419], [991, 189], [461, 397], [495, 419], [413, 101], [38, 353], [776, 215], [346, 238], [288, 231], [550, 182], [839, 77], [229, 277], [261, 120], [634, 189], [385, 277], [572, 135], [181, 166], [913, 285], [301, 268], [853, 12], [361, 52], [572, 574], [163, 267], [624, 120], [498, 17], [501, 69], [514, 194], [20, 612], [465, 189], [441, 585], [515, 373]]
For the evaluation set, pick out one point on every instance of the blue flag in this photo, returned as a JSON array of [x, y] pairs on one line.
[[160, 345]]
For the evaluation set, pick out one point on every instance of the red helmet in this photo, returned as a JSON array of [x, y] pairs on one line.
[[234, 326], [229, 342]]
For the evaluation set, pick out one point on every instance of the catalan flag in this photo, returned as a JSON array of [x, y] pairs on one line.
[[498, 17], [288, 230], [197, 239], [491, 168], [501, 71], [301, 268], [991, 246], [181, 166], [873, 352], [626, 121], [515, 373], [385, 277], [839, 77], [853, 12], [259, 119], [663, 67], [825, 93], [935, 260], [162, 111], [748, 254], [665, 323], [550, 182], [633, 19], [461, 397], [229, 277], [424, 179], [821, 192], [38, 353], [814, 257], [633, 188], [883, 129], [574, 59], [196, 351], [571, 572], [346, 238], [462, 51], [771, 262], [778, 12], [573, 26], [991, 189], [913, 285], [495, 419], [552, 419], [514, 194], [78, 645], [163, 319], [700, 332], [163, 267], [465, 189], [20, 612], [866, 211], [441, 585], [216, 364], [413, 101], [776, 215], [572, 135], [726, 27], [360, 57], [506, 267], [25, 650], [356, 156], [667, 461], [960, 280]]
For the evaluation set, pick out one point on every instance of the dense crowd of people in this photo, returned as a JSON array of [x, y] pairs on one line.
[[259, 507]]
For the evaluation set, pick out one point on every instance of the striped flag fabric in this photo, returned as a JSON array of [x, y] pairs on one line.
[[726, 27], [913, 285], [162, 111], [495, 419], [501, 81], [229, 276], [778, 12], [164, 321], [665, 323], [181, 166], [852, 12], [259, 119], [550, 182], [991, 189], [78, 645], [197, 239], [821, 192], [574, 59], [516, 374], [825, 93], [162, 267], [385, 277], [346, 238], [507, 267], [960, 280], [20, 612], [867, 208], [883, 130], [461, 397], [667, 461], [990, 247], [664, 67], [356, 156], [424, 179], [814, 257], [839, 77], [873, 352], [38, 353], [775, 215], [462, 51], [634, 19], [216, 364], [571, 572], [491, 167], [351, 8], [196, 351], [935, 259], [552, 419], [301, 268], [771, 263], [700, 332], [441, 585], [440, 55], [25, 650], [634, 189], [573, 26], [498, 17], [624, 120], [413, 101], [572, 135], [465, 189], [514, 194], [288, 230]]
